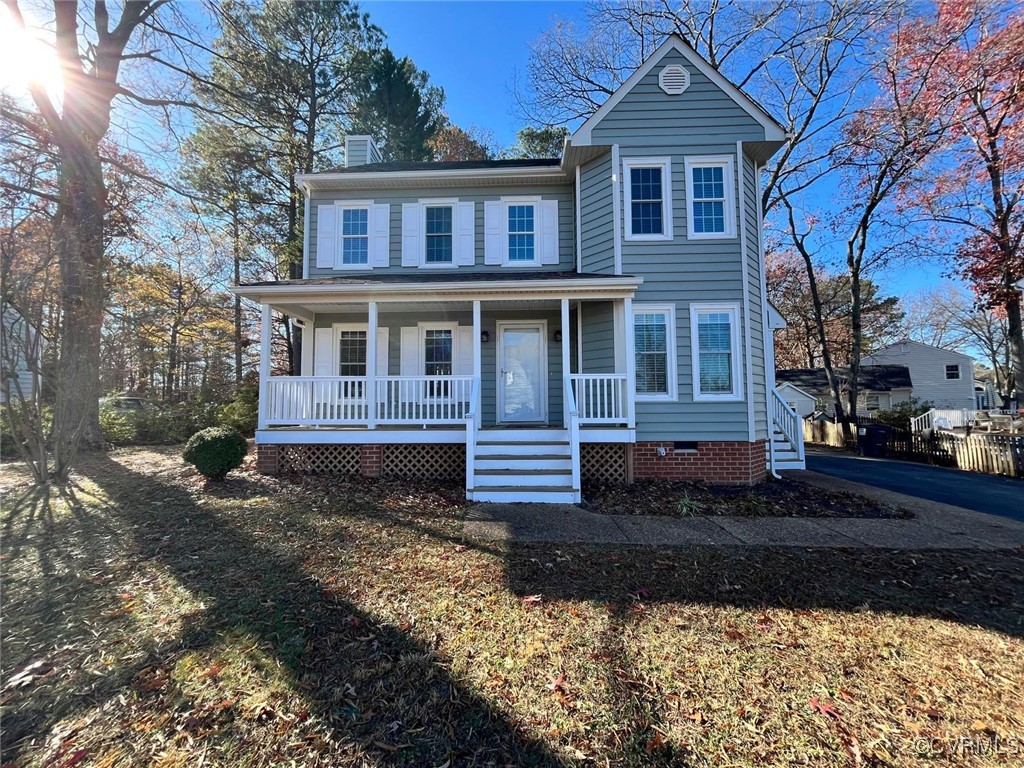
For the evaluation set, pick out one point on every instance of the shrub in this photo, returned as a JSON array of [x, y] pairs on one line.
[[242, 414], [118, 426], [215, 451], [899, 415]]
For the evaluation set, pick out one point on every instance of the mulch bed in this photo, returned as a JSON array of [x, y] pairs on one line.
[[776, 498]]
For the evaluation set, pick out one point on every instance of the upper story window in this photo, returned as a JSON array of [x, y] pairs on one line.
[[952, 372], [648, 190], [709, 197], [355, 236], [438, 229], [715, 340], [521, 233], [654, 342]]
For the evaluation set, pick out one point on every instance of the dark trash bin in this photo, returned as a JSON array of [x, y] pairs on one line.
[[873, 440]]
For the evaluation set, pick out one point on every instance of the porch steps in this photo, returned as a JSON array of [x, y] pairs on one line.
[[518, 465], [786, 456]]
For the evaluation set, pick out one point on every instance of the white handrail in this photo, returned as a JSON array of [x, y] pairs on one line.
[[472, 427], [600, 397], [574, 436], [423, 399], [789, 424]]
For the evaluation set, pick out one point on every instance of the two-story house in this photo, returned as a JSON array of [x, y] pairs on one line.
[[528, 323]]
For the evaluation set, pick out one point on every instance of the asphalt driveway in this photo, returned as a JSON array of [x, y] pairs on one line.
[[983, 493]]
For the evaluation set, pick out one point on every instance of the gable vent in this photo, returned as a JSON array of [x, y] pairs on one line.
[[673, 80]]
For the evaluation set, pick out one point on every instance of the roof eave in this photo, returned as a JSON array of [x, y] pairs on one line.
[[310, 181]]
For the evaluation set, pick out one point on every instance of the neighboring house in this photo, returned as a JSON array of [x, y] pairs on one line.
[[526, 323], [804, 403], [20, 343], [941, 377], [879, 387]]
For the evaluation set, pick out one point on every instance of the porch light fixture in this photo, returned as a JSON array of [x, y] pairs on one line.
[[558, 335], [484, 337]]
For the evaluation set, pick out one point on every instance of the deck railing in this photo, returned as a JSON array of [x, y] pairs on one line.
[[788, 422], [343, 401], [601, 398], [573, 425]]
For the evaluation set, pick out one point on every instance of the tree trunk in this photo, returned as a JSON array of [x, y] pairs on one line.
[[1015, 345], [78, 241], [236, 254]]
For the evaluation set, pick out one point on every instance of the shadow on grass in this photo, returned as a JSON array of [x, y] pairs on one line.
[[380, 692], [967, 586]]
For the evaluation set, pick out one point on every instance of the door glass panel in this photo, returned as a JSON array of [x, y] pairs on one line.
[[521, 374]]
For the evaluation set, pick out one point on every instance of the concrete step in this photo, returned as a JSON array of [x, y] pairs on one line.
[[524, 462], [512, 494], [519, 478]]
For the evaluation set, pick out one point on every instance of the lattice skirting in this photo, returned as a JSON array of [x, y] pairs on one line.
[[432, 461], [603, 462], [319, 459]]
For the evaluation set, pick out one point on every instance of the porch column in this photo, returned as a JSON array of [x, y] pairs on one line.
[[265, 320], [477, 354], [565, 360], [371, 365], [630, 346]]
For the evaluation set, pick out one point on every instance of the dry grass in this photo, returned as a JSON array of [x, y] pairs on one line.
[[150, 620]]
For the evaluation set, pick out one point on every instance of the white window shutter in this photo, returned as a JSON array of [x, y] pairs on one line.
[[382, 352], [549, 232], [464, 351], [380, 235], [409, 355], [410, 235], [494, 251], [326, 236], [465, 234], [323, 352]]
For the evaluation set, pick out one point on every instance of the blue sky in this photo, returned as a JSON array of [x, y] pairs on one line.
[[471, 49]]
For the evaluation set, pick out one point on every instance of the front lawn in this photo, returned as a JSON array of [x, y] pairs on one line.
[[148, 620]]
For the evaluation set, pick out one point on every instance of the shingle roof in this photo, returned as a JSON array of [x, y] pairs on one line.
[[439, 277], [459, 165], [874, 378]]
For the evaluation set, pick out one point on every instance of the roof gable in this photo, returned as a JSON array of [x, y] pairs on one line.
[[871, 378], [895, 348], [773, 131]]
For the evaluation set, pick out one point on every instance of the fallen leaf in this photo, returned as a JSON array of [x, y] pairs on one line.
[[824, 708], [656, 742]]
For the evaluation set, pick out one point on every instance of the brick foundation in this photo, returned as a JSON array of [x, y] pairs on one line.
[[738, 463], [268, 459], [371, 460]]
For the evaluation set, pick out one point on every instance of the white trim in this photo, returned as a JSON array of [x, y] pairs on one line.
[[628, 164], [305, 236], [353, 205], [748, 346], [792, 386], [579, 221], [266, 319], [671, 350], [773, 131], [579, 337], [728, 165], [607, 434], [336, 328], [733, 308], [773, 319], [616, 211], [424, 203], [499, 399], [566, 360], [545, 174], [357, 436], [506, 202]]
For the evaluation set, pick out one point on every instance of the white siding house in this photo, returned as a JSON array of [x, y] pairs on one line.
[[801, 402], [941, 377]]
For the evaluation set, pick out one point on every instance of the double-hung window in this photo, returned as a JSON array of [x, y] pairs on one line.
[[648, 191], [709, 197], [952, 372], [654, 342], [715, 345], [351, 353], [522, 233], [438, 223], [438, 359], [355, 236]]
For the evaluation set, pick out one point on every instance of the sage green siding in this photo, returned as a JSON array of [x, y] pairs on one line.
[[596, 220], [704, 120], [563, 193]]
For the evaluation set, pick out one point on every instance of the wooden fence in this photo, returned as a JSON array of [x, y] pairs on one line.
[[990, 454]]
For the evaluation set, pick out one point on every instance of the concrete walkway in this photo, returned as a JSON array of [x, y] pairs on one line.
[[935, 526]]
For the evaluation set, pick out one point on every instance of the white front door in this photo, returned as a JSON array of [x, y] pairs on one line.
[[522, 372]]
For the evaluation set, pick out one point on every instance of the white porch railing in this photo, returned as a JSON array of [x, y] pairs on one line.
[[955, 417], [788, 422], [601, 398], [342, 400], [472, 430]]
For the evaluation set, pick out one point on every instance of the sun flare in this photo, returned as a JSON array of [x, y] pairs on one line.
[[26, 60]]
